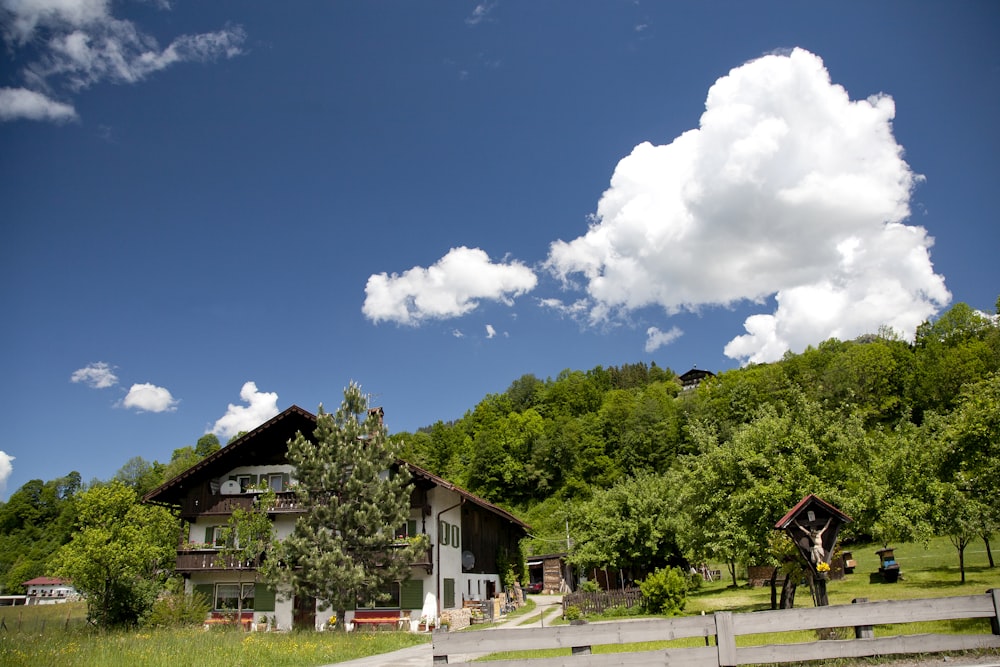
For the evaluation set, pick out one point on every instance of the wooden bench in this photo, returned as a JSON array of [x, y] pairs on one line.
[[376, 618], [227, 618]]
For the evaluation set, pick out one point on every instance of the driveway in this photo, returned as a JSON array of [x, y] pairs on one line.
[[423, 655]]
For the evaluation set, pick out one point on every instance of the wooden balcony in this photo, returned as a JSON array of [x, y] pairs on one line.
[[286, 501], [204, 560]]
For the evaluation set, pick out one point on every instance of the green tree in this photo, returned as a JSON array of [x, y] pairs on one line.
[[631, 526], [182, 459], [206, 445], [967, 443], [120, 554], [141, 475], [246, 537], [343, 549]]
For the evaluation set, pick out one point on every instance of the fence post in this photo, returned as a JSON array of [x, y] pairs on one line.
[[863, 631], [995, 621], [725, 639]]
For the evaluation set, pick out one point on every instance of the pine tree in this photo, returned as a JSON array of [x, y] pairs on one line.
[[344, 549]]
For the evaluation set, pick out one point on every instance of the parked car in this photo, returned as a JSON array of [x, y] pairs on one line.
[[534, 587]]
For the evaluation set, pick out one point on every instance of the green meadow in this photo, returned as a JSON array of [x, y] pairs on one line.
[[58, 635]]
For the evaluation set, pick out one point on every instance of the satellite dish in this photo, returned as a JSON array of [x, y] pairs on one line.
[[468, 560], [230, 487]]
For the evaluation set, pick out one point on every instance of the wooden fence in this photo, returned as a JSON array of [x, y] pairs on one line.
[[599, 602], [725, 627]]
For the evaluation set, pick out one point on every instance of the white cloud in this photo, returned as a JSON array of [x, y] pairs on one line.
[[97, 375], [480, 13], [490, 331], [6, 468], [788, 188], [450, 288], [148, 397], [260, 407], [655, 339], [18, 103], [80, 42]]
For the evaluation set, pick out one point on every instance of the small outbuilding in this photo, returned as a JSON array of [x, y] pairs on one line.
[[49, 590]]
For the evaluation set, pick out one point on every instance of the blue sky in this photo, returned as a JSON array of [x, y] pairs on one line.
[[212, 211]]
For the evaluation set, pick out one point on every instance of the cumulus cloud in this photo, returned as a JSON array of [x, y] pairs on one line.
[[6, 468], [98, 375], [788, 188], [490, 331], [260, 406], [80, 42], [655, 339], [452, 287], [18, 103], [146, 397]]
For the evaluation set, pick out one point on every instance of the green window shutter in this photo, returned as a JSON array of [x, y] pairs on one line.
[[449, 594], [411, 527], [455, 539], [411, 594], [286, 481], [209, 534], [443, 532], [208, 590], [263, 598]]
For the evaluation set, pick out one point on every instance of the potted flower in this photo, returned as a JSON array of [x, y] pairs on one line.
[[823, 570], [426, 623]]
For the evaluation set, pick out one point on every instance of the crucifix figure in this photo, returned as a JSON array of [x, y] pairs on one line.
[[817, 554]]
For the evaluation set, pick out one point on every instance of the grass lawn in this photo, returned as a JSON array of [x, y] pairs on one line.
[[43, 640], [927, 572]]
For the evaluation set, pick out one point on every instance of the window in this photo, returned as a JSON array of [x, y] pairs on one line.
[[387, 599], [274, 481], [408, 529], [227, 597], [244, 482]]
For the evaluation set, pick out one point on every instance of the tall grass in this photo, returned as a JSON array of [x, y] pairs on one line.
[[44, 640]]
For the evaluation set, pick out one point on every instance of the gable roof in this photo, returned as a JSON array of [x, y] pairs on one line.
[[259, 447], [46, 581], [250, 446], [802, 505]]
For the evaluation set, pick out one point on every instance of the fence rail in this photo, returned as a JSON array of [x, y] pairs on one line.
[[725, 627]]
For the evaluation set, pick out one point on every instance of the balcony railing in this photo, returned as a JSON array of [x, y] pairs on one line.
[[200, 560], [286, 501]]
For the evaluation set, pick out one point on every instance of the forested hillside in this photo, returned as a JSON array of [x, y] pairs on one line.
[[633, 472], [636, 472]]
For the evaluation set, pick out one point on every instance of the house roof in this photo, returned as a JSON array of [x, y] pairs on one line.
[[250, 446], [254, 446], [696, 374], [419, 472], [46, 581], [804, 504]]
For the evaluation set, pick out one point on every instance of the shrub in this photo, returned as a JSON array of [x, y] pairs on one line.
[[621, 611], [175, 610], [589, 586], [573, 613], [665, 591]]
